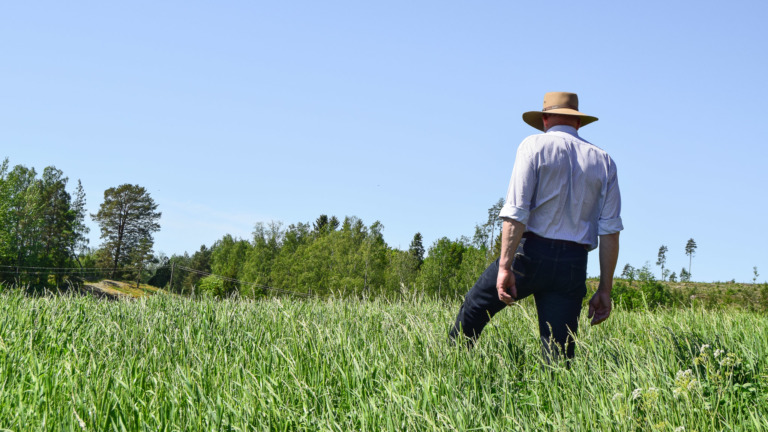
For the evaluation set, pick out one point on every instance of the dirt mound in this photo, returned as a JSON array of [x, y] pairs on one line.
[[116, 290]]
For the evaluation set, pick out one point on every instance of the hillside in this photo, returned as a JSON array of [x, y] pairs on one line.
[[114, 290], [712, 295]]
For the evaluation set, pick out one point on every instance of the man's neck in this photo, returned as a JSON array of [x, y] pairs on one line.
[[564, 128]]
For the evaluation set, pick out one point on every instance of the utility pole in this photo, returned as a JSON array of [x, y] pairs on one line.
[[170, 284]]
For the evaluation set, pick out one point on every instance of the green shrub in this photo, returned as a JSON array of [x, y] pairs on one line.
[[648, 294], [211, 285], [764, 296]]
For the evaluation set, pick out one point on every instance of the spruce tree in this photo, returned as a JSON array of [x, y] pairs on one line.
[[416, 249], [79, 229]]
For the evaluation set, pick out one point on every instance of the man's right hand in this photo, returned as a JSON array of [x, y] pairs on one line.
[[505, 285]]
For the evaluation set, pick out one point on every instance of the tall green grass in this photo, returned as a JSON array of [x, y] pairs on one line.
[[172, 364]]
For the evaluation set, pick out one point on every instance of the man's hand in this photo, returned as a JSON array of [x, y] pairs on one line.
[[600, 306], [505, 285], [511, 233], [600, 303]]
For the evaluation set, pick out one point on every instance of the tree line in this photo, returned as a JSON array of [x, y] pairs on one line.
[[631, 273], [42, 228], [644, 273], [43, 235], [330, 256], [43, 231], [41, 224]]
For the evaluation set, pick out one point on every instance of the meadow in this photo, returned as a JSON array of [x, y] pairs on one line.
[[170, 363]]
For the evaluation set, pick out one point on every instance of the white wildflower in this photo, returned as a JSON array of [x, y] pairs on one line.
[[704, 348], [637, 393], [684, 383], [616, 396], [680, 429], [729, 361], [719, 352]]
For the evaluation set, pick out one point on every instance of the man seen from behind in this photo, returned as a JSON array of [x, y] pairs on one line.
[[563, 201]]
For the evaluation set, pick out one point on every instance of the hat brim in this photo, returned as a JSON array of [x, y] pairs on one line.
[[533, 118]]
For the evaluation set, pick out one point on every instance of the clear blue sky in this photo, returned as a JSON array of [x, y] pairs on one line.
[[406, 112]]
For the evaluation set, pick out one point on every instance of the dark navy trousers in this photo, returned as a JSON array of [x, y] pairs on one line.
[[554, 272]]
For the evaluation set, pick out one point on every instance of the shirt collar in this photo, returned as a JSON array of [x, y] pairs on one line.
[[563, 128]]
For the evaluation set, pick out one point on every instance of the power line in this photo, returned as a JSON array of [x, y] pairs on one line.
[[62, 268], [28, 270], [54, 272]]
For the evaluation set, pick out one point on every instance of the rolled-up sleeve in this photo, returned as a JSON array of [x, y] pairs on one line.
[[610, 215], [522, 186]]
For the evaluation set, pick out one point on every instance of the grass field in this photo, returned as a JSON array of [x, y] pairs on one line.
[[167, 363]]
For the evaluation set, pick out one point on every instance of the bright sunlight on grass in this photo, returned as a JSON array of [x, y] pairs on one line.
[[171, 363]]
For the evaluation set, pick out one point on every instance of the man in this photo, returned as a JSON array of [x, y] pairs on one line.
[[563, 196]]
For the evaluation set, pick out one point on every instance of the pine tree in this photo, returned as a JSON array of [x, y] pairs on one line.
[[662, 259], [126, 217], [690, 250], [494, 222]]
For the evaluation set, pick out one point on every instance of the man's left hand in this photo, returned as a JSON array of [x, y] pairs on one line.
[[600, 307]]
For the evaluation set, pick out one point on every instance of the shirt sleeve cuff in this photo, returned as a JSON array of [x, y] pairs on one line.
[[515, 213], [609, 226]]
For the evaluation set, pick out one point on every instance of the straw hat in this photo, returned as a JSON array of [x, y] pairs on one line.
[[557, 103]]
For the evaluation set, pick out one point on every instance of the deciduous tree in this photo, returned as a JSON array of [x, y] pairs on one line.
[[38, 222], [629, 273], [488, 234], [441, 267], [56, 221], [267, 242]]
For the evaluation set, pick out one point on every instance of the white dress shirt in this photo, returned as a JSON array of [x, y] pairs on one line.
[[564, 188]]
